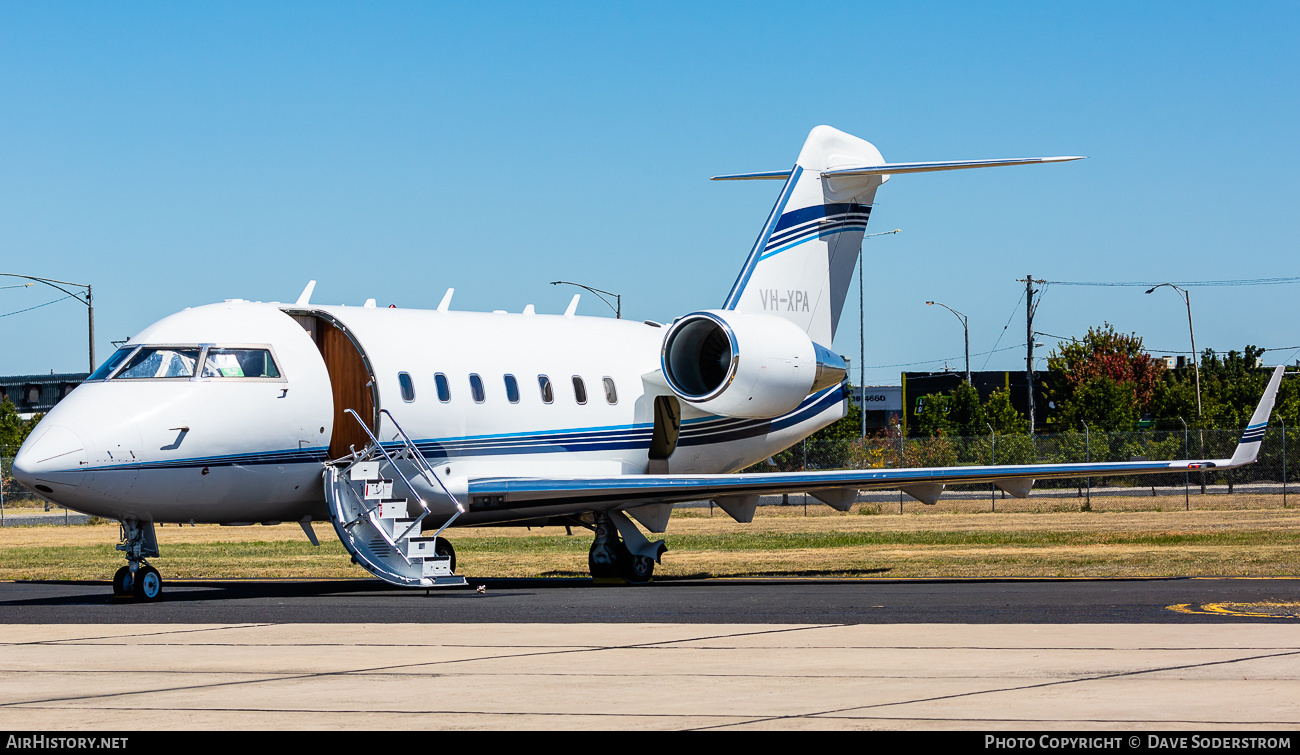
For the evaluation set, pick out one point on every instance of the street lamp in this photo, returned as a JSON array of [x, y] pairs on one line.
[[862, 337], [1196, 361], [88, 301], [965, 328], [618, 311]]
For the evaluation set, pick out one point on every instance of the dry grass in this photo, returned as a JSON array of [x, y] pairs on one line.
[[942, 541]]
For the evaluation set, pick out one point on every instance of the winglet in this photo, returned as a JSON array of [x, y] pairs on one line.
[[305, 297], [1248, 447]]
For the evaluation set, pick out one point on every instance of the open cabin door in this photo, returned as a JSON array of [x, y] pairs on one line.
[[351, 381]]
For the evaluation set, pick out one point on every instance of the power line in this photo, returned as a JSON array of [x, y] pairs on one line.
[[1186, 284], [38, 306], [1004, 331], [945, 359]]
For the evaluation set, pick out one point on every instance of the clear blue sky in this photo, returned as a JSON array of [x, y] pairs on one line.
[[174, 154]]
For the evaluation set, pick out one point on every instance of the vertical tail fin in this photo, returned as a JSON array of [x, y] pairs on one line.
[[801, 265]]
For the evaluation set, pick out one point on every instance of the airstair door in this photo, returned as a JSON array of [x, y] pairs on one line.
[[351, 381]]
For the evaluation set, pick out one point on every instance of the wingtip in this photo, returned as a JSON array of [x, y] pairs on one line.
[[1252, 438]]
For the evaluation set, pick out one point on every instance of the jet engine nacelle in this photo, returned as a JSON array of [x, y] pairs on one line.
[[738, 364]]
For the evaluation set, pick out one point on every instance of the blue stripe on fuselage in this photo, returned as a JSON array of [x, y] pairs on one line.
[[694, 432]]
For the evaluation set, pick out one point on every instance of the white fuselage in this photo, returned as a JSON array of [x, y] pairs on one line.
[[233, 449]]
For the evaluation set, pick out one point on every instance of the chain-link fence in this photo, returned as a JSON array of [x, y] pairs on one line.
[[1275, 472]]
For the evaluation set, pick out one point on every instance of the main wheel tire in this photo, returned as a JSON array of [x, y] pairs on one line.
[[148, 584], [443, 548], [122, 583], [638, 570], [606, 560]]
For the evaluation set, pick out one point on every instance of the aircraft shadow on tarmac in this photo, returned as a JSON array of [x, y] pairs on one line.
[[88, 592]]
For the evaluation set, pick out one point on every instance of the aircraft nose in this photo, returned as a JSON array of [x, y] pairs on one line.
[[51, 460]]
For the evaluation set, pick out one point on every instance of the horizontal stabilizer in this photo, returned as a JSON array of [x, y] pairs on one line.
[[890, 169], [768, 175]]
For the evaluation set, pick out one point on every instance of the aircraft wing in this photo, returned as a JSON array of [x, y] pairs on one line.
[[837, 488]]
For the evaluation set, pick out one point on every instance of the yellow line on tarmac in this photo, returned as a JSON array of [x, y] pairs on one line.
[[1240, 610]]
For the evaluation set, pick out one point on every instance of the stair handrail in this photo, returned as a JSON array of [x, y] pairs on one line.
[[391, 461], [422, 462], [424, 465]]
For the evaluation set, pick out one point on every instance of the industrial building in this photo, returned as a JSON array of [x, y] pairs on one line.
[[37, 394]]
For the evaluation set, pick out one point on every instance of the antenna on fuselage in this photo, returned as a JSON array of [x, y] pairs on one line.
[[305, 297], [445, 304], [573, 306]]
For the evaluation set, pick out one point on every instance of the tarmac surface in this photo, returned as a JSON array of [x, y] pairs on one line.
[[680, 601], [986, 655], [1107, 677]]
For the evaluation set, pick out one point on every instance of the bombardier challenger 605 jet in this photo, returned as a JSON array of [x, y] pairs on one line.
[[393, 422]]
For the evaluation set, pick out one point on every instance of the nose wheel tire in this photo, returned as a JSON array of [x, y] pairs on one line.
[[148, 584]]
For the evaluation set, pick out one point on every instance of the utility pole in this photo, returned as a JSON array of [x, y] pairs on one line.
[[1029, 343], [89, 301]]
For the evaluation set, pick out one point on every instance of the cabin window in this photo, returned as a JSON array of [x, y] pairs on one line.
[[548, 395], [238, 363], [444, 389], [162, 362], [107, 367], [408, 387], [579, 390], [512, 389], [476, 388], [611, 395]]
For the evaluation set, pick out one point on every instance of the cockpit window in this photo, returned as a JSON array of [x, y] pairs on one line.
[[107, 367], [161, 362], [239, 363]]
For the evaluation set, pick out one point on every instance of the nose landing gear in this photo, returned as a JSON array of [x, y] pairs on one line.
[[138, 579]]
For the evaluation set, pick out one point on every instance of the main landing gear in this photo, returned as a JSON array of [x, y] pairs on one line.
[[138, 579], [631, 558]]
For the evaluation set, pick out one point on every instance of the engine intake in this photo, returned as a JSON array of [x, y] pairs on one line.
[[738, 364]]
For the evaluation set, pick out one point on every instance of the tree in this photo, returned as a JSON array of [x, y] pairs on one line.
[[1002, 415], [965, 411], [13, 430], [932, 418], [1106, 379], [1102, 403]]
